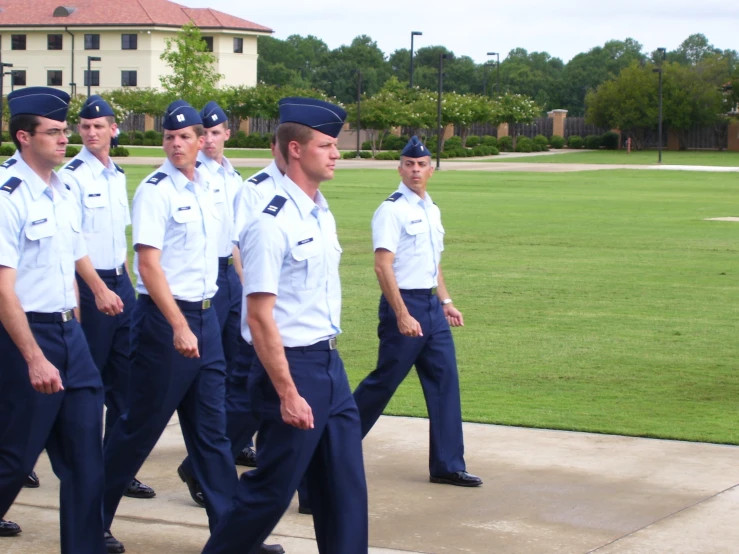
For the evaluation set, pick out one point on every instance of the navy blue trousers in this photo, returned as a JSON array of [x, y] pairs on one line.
[[162, 381], [109, 338], [329, 455], [68, 424], [436, 363], [227, 304]]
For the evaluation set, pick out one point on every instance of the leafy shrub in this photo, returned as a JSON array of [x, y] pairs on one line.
[[494, 151], [388, 155], [150, 134], [353, 154], [119, 152], [452, 142], [367, 145], [431, 144], [505, 144], [149, 142], [472, 141], [524, 144], [575, 142], [7, 149], [75, 139], [557, 141], [610, 140], [489, 140], [593, 142], [393, 142], [138, 142], [6, 136], [542, 141], [536, 147], [72, 151]]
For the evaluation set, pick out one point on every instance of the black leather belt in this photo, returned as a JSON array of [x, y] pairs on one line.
[[329, 344], [223, 263], [117, 272], [424, 292], [55, 317], [199, 306]]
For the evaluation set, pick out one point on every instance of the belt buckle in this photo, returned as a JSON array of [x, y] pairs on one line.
[[120, 270], [332, 343], [433, 291], [67, 316], [206, 304], [230, 260]]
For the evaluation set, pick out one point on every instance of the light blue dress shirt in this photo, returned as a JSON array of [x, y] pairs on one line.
[[294, 253], [410, 227], [40, 237], [178, 217], [225, 183], [253, 191], [103, 200]]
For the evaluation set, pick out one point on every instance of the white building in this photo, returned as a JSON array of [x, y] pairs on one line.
[[49, 42]]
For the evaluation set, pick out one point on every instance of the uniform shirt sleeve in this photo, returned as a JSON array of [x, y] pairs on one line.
[[386, 228], [150, 215], [128, 207], [75, 190], [263, 248], [10, 233]]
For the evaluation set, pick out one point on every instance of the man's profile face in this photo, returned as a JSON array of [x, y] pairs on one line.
[[48, 143]]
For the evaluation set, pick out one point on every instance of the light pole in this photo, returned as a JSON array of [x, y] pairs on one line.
[[359, 107], [497, 65], [439, 133], [413, 34], [3, 65], [12, 84], [658, 70], [89, 73]]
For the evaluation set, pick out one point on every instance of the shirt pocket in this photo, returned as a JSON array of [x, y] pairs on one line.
[[94, 204], [307, 271], [38, 248], [188, 226], [418, 230]]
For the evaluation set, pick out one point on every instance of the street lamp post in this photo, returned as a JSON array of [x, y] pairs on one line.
[[439, 133], [3, 65], [359, 106], [658, 70], [12, 84], [497, 66], [89, 73], [413, 34]]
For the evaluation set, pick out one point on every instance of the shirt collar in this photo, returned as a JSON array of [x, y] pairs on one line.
[[179, 179], [35, 184], [214, 167], [273, 170], [305, 204], [412, 197], [96, 166]]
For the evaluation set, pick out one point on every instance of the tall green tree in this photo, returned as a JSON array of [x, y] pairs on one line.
[[193, 75], [512, 109]]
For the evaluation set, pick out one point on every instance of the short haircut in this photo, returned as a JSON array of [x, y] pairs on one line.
[[289, 132], [273, 140], [110, 119], [22, 122], [198, 129]]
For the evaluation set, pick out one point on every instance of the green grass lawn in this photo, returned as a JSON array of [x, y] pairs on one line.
[[648, 157], [157, 152], [593, 301]]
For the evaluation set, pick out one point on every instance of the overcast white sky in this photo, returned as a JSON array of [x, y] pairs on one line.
[[475, 27]]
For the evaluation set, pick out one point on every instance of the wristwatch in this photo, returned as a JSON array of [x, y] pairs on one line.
[[446, 301]]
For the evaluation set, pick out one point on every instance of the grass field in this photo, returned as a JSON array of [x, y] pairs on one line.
[[648, 157], [593, 301]]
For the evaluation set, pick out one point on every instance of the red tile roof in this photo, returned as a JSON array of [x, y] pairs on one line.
[[93, 13]]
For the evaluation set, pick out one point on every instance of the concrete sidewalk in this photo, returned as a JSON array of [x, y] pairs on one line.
[[545, 491]]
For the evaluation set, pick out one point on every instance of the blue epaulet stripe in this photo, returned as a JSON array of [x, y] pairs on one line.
[[156, 178], [74, 164], [275, 205], [11, 184], [393, 197], [258, 178]]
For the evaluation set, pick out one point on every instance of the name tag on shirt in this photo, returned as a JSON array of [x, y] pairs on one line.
[[39, 221], [93, 195], [183, 208], [305, 241], [416, 221]]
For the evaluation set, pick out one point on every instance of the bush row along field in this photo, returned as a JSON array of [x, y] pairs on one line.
[[594, 301]]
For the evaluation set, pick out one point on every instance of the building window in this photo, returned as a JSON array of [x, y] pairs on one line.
[[92, 42], [129, 42], [208, 43], [54, 78], [238, 45], [128, 79], [92, 78], [54, 42], [18, 77], [17, 42]]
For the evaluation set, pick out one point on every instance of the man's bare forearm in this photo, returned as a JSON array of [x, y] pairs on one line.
[[84, 267], [388, 282]]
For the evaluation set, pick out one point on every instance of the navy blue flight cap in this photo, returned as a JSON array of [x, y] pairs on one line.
[[212, 114], [41, 101], [179, 115], [415, 149], [316, 114], [95, 106]]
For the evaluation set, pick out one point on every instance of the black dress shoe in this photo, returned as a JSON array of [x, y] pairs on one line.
[[32, 481], [460, 479], [8, 528], [136, 489], [271, 549], [113, 545], [247, 457], [192, 485], [305, 510]]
